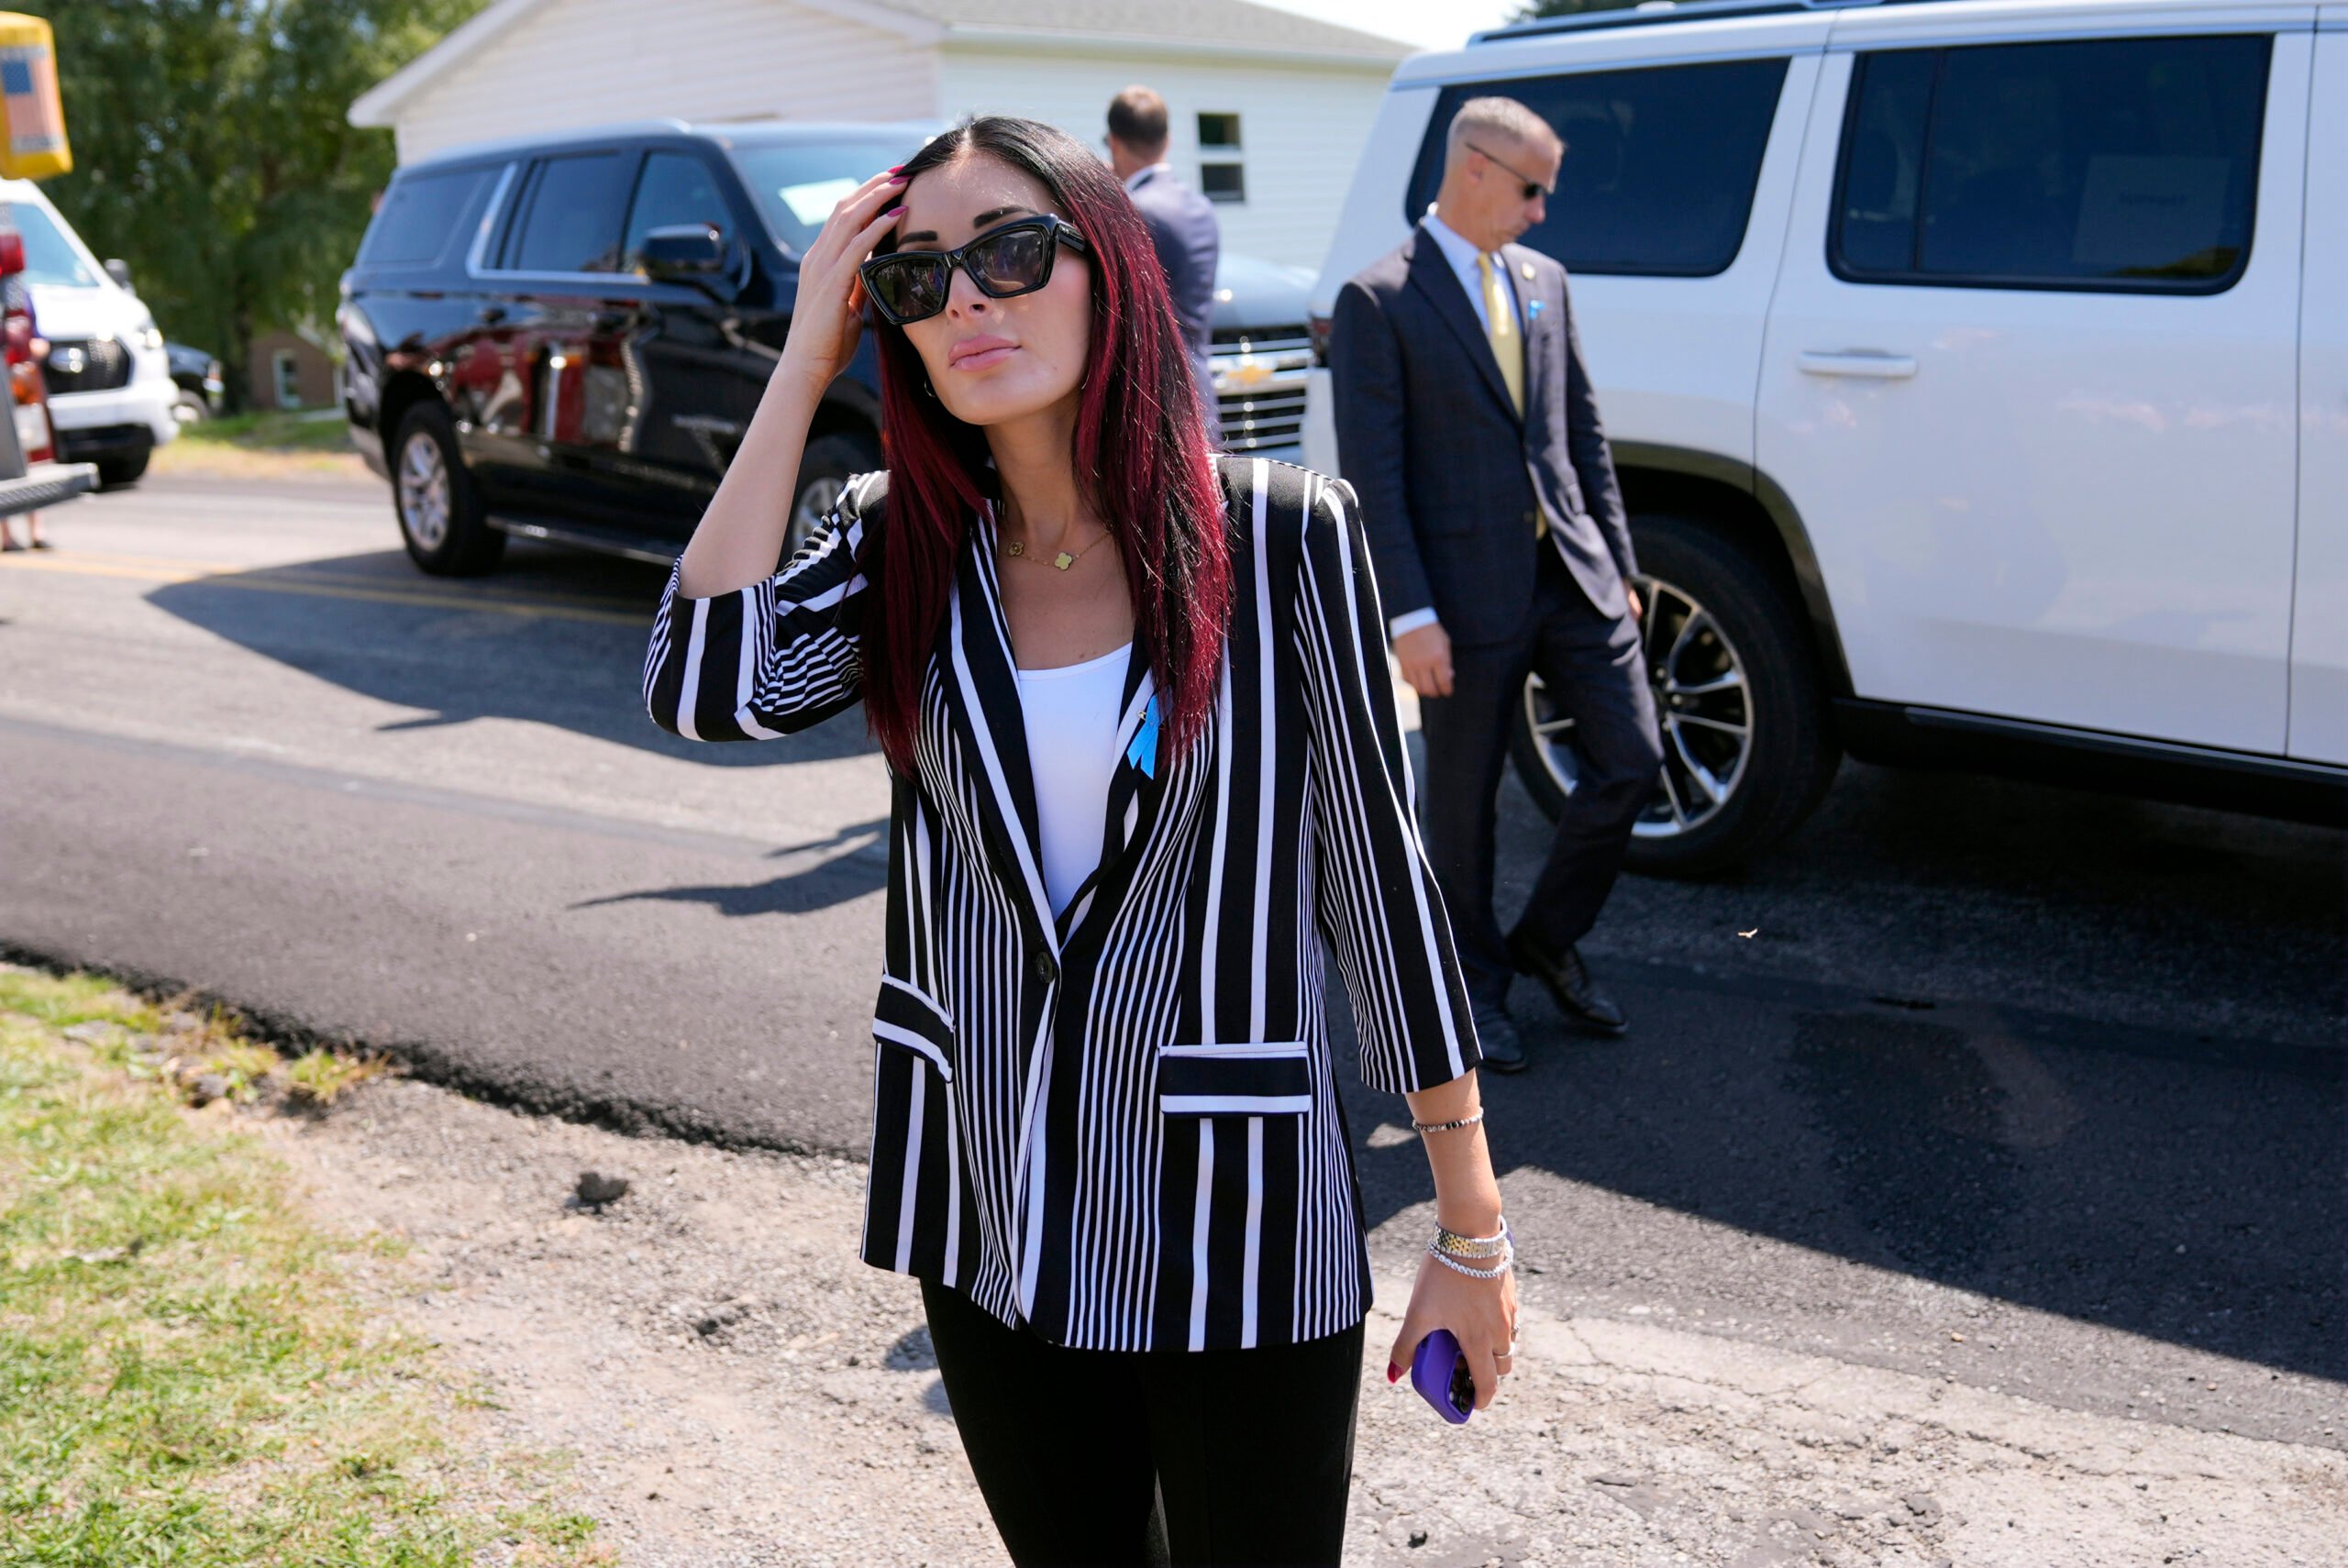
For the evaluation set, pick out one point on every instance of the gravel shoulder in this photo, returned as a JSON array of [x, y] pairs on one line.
[[735, 1389]]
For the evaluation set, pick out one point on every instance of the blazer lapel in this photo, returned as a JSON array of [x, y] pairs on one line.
[[1431, 273], [1544, 308], [983, 693], [1134, 788]]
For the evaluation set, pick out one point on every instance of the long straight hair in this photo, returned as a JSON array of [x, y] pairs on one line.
[[1141, 457]]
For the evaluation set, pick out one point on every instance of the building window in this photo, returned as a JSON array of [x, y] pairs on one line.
[[1220, 175], [1222, 181], [285, 377]]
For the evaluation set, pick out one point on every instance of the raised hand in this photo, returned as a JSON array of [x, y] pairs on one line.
[[827, 321]]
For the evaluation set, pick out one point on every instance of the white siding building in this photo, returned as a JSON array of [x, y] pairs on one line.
[[1269, 110]]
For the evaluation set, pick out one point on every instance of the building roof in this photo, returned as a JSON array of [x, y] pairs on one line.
[[1240, 27]]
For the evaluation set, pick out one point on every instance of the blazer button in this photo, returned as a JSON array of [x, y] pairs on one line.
[[1048, 969]]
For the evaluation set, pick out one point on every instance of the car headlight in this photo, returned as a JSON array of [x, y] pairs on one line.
[[150, 338]]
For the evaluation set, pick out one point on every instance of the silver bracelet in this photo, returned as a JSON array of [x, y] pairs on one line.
[[1446, 1126], [1459, 1247], [1508, 1261]]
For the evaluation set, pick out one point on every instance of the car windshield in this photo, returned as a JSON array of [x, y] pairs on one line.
[[797, 182], [49, 257]]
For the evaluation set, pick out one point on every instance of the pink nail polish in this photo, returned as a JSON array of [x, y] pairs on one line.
[[1392, 1372], [895, 167], [894, 212]]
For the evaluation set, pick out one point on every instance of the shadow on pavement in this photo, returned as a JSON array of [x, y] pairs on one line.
[[2141, 1127], [859, 867], [555, 638]]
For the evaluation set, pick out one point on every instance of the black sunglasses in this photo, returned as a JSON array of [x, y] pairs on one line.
[[1006, 261], [1532, 187]]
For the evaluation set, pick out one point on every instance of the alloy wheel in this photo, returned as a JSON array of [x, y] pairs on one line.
[[1702, 703], [423, 492], [817, 497]]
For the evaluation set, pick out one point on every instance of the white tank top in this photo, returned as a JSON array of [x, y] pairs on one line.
[[1071, 717]]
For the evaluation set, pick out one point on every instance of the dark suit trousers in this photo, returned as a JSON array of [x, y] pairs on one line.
[[1199, 1459], [1592, 664]]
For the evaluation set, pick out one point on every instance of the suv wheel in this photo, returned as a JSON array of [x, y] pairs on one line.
[[113, 473], [823, 471], [439, 510], [1746, 749]]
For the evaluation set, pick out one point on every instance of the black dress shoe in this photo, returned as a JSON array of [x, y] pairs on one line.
[[1503, 1052], [1569, 983]]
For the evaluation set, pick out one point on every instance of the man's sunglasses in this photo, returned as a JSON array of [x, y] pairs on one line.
[[1006, 261], [1532, 187]]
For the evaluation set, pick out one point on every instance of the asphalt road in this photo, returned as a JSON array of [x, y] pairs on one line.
[[2040, 1091]]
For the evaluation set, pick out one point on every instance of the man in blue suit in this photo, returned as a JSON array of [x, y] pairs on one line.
[[1182, 225], [1466, 425]]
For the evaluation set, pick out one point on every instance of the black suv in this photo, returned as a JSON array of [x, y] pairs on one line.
[[565, 338]]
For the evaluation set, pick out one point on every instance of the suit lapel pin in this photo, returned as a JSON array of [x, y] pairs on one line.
[[1528, 271], [1534, 308], [1143, 753]]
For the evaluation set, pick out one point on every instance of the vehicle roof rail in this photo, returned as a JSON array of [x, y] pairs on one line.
[[514, 144], [1651, 13]]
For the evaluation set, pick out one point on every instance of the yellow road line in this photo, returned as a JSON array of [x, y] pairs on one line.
[[241, 577]]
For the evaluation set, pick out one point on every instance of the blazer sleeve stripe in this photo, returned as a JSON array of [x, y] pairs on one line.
[[766, 659], [1393, 941]]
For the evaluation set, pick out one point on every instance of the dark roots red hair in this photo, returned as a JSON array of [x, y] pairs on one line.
[[1142, 459]]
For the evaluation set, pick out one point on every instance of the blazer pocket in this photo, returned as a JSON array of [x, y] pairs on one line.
[[909, 1019], [1243, 1080]]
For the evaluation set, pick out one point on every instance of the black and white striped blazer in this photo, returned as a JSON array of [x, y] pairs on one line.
[[1121, 1125]]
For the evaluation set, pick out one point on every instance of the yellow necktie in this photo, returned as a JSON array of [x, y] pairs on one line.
[[1499, 328]]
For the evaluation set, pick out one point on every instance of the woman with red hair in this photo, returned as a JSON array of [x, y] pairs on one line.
[[1143, 759]]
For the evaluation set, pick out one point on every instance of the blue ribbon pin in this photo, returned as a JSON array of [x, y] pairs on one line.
[[1143, 753], [1535, 307]]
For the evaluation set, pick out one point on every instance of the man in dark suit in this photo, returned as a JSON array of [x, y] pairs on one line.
[[1466, 425], [1182, 225]]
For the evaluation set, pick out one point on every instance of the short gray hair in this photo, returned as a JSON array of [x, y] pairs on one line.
[[1496, 119]]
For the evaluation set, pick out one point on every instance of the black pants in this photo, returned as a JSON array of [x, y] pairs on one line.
[[1107, 1458], [1592, 665]]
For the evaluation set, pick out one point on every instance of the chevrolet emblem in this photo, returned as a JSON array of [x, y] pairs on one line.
[[1247, 373]]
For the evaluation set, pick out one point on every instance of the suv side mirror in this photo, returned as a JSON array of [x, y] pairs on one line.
[[686, 252], [119, 270], [12, 252]]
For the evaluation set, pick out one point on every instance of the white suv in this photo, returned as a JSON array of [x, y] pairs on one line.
[[1978, 375], [109, 379]]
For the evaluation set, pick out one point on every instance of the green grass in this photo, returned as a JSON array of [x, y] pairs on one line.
[[271, 432], [188, 1375]]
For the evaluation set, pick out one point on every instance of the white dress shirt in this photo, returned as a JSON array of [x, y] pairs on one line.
[[1461, 252]]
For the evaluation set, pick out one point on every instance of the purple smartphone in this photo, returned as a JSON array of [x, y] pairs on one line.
[[1440, 1375]]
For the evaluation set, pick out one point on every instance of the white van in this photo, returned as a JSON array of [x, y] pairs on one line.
[[110, 388], [1978, 375]]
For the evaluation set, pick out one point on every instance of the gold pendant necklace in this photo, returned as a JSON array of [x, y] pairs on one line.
[[1017, 550]]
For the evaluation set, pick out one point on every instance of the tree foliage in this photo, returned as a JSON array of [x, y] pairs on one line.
[[211, 150]]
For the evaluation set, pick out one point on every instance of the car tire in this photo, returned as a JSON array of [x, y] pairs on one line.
[[1699, 580], [120, 473], [189, 408], [824, 469], [442, 522]]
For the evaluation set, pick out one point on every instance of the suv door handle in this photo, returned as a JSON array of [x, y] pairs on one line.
[[490, 314], [1879, 366]]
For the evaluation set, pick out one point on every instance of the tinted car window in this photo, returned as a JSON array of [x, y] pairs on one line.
[[49, 257], [420, 214], [2122, 164], [574, 221], [1660, 163], [797, 184], [673, 188]]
